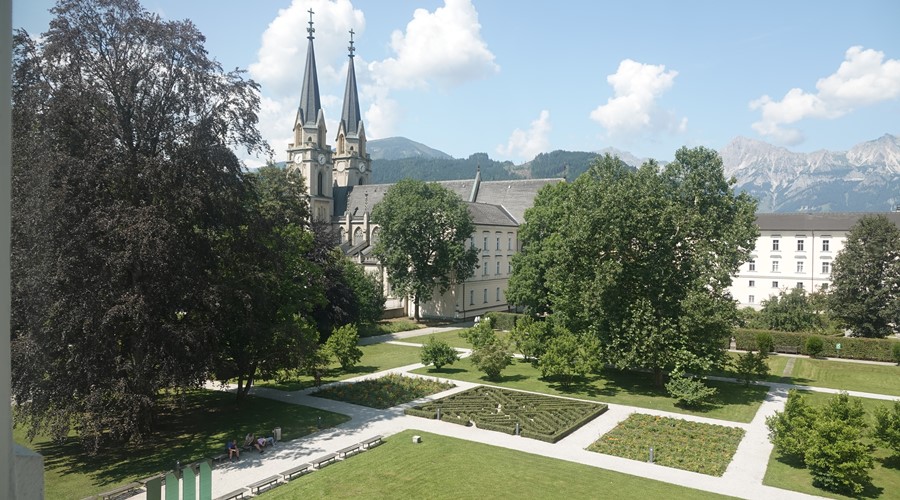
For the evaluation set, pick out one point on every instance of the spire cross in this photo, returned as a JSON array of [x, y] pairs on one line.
[[310, 30], [351, 48]]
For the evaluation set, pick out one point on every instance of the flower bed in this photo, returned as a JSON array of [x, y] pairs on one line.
[[384, 392], [703, 448], [546, 418]]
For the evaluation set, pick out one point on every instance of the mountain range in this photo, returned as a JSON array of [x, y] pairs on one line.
[[866, 178]]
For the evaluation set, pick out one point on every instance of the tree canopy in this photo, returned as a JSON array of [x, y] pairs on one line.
[[865, 292], [639, 258], [422, 244]]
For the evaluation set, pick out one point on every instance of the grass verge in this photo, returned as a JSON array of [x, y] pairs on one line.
[[388, 326], [384, 392], [447, 468], [693, 446], [189, 428], [847, 376], [785, 473]]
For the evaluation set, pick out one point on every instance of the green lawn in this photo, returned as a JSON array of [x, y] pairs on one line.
[[877, 379], [376, 357], [452, 338], [733, 402], [388, 326], [199, 427], [447, 468], [784, 473]]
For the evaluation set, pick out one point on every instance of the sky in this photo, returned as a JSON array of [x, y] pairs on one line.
[[515, 79]]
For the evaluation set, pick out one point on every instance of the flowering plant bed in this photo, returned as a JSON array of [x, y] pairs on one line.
[[546, 418], [703, 448], [384, 392]]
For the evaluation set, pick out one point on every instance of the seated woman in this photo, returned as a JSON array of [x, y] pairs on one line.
[[233, 450]]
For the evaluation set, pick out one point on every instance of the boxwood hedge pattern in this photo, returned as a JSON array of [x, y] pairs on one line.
[[682, 444], [385, 392], [546, 418]]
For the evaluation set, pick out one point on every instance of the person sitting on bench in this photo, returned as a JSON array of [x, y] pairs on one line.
[[262, 442], [233, 450]]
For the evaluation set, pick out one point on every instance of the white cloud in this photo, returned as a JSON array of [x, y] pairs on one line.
[[529, 143], [633, 109], [863, 79], [443, 47]]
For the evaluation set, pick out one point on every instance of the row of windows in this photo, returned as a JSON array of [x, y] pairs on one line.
[[485, 293], [751, 299], [826, 266], [752, 284], [509, 242], [776, 244], [485, 265]]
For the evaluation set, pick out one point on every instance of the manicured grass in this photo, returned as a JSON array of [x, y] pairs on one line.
[[388, 326], [384, 392], [446, 468], [877, 379], [540, 417], [775, 362], [195, 427], [376, 357], [733, 402], [783, 472], [693, 446], [453, 338]]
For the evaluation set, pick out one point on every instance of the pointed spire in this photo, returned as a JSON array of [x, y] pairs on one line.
[[350, 117], [310, 104]]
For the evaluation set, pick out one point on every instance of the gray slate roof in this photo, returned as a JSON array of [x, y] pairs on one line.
[[826, 221], [350, 117], [310, 104], [490, 215]]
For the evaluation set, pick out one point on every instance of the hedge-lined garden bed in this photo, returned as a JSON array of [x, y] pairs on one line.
[[503, 320], [545, 418], [851, 347], [384, 392], [682, 444]]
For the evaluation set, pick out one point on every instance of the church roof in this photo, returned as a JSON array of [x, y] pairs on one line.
[[824, 221], [310, 104], [490, 215], [515, 196], [350, 117]]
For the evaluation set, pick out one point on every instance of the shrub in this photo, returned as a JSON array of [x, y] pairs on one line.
[[492, 358], [342, 344], [896, 352], [438, 353], [751, 366], [530, 338], [851, 347], [764, 343], [887, 426], [503, 320], [479, 335], [689, 392], [814, 346], [790, 430], [569, 356]]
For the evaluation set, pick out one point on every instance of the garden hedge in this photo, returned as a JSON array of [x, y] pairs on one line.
[[503, 320], [851, 347]]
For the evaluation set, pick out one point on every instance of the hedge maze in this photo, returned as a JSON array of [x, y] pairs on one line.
[[546, 418]]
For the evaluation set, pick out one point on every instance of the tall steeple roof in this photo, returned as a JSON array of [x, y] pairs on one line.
[[310, 104], [350, 117]]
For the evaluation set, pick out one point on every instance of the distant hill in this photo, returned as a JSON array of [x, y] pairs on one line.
[[397, 148], [441, 169]]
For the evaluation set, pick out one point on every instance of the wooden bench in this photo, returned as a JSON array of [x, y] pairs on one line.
[[220, 458], [324, 460], [120, 491], [787, 349], [265, 484], [350, 450], [296, 471], [234, 494], [372, 441]]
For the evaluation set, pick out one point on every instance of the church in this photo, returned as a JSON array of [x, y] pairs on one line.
[[339, 192]]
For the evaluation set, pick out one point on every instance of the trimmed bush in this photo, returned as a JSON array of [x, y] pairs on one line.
[[342, 344], [764, 343], [851, 347], [689, 392], [814, 346], [438, 353], [504, 320], [492, 358]]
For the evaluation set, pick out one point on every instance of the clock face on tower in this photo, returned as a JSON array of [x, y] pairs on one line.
[[362, 167], [321, 159]]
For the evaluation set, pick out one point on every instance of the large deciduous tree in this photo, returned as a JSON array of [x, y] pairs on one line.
[[123, 130], [865, 294], [640, 258], [422, 244]]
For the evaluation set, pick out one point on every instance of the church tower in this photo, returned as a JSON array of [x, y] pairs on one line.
[[309, 153], [352, 164]]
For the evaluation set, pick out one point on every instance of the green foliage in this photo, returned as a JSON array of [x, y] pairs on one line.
[[751, 366], [642, 259], [765, 343], [790, 431], [492, 358], [438, 353], [342, 344], [504, 320], [385, 392], [316, 362], [568, 356], [790, 312], [424, 230], [367, 291], [865, 291], [887, 426], [479, 335], [895, 350], [689, 392], [851, 347], [439, 169], [530, 338], [814, 346]]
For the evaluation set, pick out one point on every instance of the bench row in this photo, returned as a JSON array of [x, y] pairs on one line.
[[305, 468]]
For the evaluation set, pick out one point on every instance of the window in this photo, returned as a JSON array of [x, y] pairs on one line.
[[509, 243], [774, 245], [498, 268], [509, 268], [799, 245], [752, 283], [799, 266], [498, 294], [498, 243], [774, 284], [800, 285], [484, 247], [825, 245], [358, 236], [484, 268], [751, 299], [485, 295], [471, 297], [319, 185], [751, 266], [826, 268], [774, 266]]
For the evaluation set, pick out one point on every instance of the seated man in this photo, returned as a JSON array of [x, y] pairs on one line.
[[262, 442], [233, 450]]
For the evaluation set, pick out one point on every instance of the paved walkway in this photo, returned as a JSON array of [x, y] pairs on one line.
[[743, 477]]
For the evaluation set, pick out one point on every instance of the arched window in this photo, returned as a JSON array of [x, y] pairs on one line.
[[358, 236], [375, 233], [319, 184], [360, 181], [340, 144]]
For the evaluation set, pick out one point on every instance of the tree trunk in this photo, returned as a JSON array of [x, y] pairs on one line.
[[659, 378], [416, 307]]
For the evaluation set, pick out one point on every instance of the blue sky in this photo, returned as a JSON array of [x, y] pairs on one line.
[[514, 79]]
